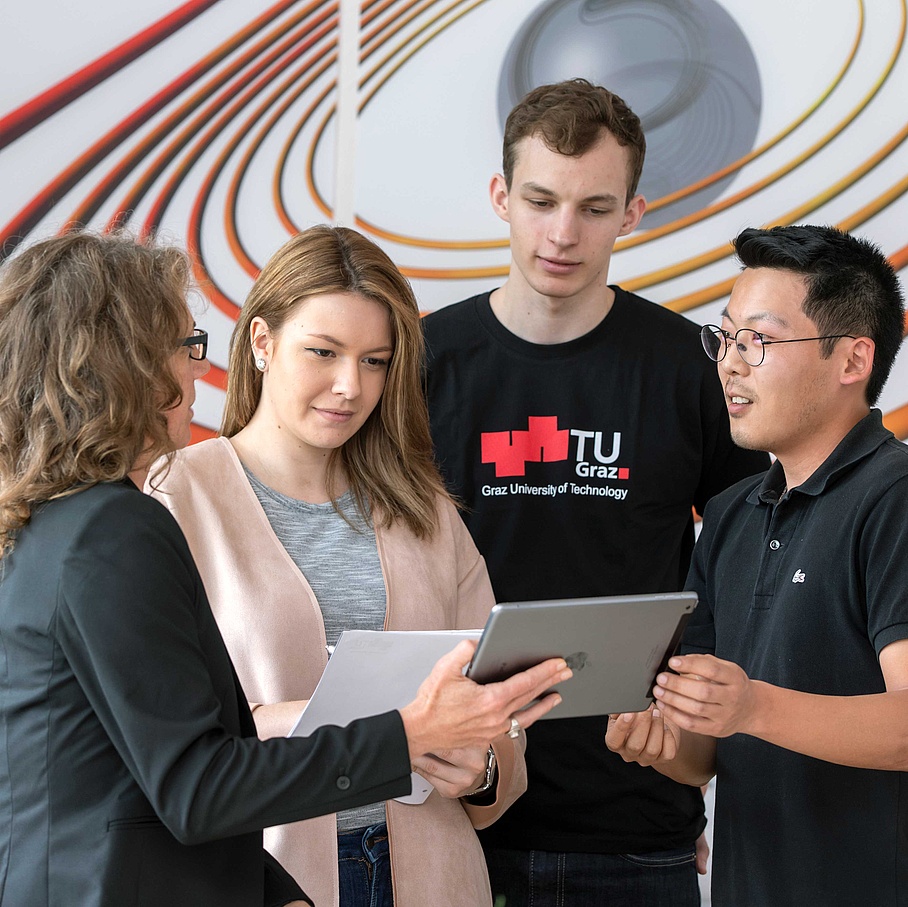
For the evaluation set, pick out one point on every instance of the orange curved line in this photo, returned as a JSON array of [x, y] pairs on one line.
[[430, 35], [734, 166], [865, 212], [897, 422], [277, 198], [716, 291], [701, 297], [749, 191], [398, 20], [317, 197], [899, 259], [113, 179], [646, 236], [216, 376], [215, 104], [311, 72], [200, 433], [454, 273], [723, 288], [694, 217], [373, 10], [458, 245], [793, 216], [200, 145], [370, 11]]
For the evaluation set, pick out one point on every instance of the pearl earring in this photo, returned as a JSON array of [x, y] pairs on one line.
[[260, 364]]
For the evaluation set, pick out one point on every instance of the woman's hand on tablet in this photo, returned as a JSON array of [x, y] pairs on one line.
[[452, 712]]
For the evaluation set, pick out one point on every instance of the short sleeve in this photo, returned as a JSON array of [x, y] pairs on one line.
[[700, 633], [883, 562]]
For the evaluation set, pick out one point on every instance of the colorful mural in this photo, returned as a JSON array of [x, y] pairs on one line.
[[215, 128]]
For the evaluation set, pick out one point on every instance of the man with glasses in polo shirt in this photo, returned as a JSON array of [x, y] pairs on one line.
[[793, 688]]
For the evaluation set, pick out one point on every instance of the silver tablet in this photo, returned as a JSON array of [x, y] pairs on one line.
[[615, 645]]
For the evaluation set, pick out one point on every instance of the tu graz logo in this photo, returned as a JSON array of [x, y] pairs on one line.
[[544, 442]]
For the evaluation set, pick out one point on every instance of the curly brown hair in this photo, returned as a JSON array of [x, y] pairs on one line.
[[389, 462], [569, 117], [88, 326]]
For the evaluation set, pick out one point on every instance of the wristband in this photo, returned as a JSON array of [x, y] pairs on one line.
[[490, 775]]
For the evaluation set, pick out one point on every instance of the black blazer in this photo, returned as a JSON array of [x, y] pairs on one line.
[[130, 773]]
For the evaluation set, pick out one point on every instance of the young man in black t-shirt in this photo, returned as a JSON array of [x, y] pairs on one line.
[[794, 690], [579, 425]]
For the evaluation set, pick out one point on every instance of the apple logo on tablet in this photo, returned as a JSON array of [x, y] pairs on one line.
[[577, 661]]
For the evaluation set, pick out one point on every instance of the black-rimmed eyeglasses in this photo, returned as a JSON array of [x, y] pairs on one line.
[[751, 345], [197, 343]]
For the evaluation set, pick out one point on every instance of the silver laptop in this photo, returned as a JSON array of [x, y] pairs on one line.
[[615, 645]]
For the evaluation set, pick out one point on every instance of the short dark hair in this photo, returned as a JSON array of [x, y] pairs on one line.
[[569, 117], [851, 286]]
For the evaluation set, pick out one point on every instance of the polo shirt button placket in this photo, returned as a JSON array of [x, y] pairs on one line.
[[775, 544]]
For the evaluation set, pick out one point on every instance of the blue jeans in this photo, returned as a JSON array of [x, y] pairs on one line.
[[364, 868], [538, 878]]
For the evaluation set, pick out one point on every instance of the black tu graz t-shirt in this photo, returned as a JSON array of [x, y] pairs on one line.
[[579, 463]]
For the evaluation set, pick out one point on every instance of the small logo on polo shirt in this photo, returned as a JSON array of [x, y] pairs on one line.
[[799, 576]]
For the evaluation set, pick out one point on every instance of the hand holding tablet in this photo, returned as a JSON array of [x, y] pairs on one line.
[[615, 646]]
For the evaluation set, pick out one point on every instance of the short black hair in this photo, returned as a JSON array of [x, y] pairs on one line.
[[851, 286]]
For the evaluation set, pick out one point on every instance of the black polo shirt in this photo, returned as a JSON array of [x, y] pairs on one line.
[[803, 590]]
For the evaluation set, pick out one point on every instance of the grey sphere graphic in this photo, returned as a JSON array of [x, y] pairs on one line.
[[684, 66]]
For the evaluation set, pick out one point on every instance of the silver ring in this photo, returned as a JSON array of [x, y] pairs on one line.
[[514, 732]]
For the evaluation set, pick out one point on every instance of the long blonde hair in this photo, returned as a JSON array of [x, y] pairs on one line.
[[88, 325], [388, 463]]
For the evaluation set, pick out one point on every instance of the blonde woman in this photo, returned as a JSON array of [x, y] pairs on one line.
[[320, 509], [130, 772]]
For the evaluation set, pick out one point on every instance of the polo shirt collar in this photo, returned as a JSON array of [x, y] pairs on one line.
[[859, 443]]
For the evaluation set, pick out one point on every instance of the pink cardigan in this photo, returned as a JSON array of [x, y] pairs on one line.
[[273, 628]]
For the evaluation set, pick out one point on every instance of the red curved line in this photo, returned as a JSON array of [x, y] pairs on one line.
[[194, 229], [140, 189], [311, 73], [217, 377], [277, 179], [194, 232], [55, 98], [200, 433], [212, 290], [24, 222], [204, 140]]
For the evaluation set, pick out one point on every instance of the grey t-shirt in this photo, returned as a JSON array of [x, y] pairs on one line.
[[342, 566]]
